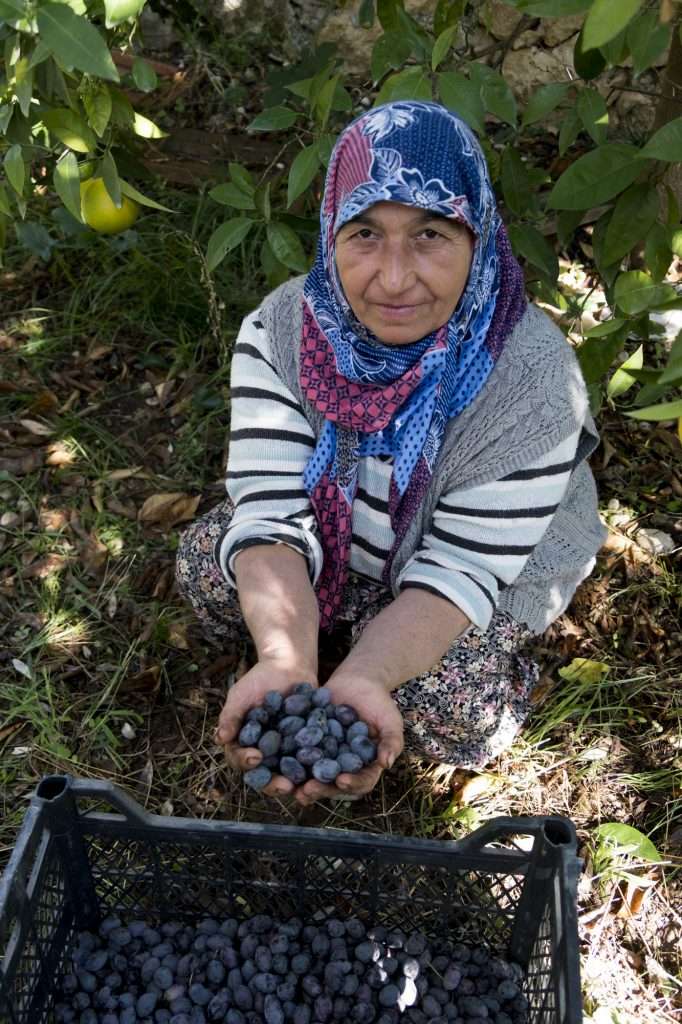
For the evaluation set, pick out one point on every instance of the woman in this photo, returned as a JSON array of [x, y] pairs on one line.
[[407, 454]]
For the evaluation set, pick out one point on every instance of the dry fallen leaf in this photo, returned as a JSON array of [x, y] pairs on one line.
[[44, 567], [52, 519], [476, 787], [93, 554], [9, 730], [169, 509], [145, 682], [59, 455], [98, 352], [177, 635], [37, 428], [124, 474]]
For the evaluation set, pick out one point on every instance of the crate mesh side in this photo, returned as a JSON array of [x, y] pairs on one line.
[[175, 879], [539, 987], [49, 937]]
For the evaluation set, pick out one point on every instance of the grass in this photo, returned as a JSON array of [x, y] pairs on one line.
[[123, 354]]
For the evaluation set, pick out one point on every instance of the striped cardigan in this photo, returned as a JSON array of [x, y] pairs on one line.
[[481, 532]]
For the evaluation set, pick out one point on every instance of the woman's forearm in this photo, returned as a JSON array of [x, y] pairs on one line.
[[405, 639], [279, 605]]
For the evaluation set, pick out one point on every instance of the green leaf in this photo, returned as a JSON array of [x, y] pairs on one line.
[[144, 75], [262, 199], [118, 11], [342, 99], [595, 355], [275, 272], [132, 193], [275, 119], [587, 63], [462, 96], [409, 84], [302, 171], [111, 180], [515, 181], [666, 143], [593, 113], [442, 46], [75, 42], [23, 85], [616, 51], [447, 12], [647, 39], [225, 238], [543, 101], [569, 131], [5, 207], [325, 145], [12, 9], [366, 14], [584, 670], [626, 840], [568, 222], [553, 8], [622, 381], [40, 54], [286, 245], [633, 217], [656, 413], [146, 129], [533, 245], [390, 51], [36, 239], [324, 99], [122, 113], [70, 129], [672, 373], [67, 183], [498, 99], [606, 19], [97, 104], [596, 177], [605, 328], [636, 291], [232, 194], [419, 40], [242, 177], [15, 168], [657, 251], [387, 13]]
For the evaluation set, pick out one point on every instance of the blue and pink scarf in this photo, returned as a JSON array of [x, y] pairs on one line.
[[375, 396]]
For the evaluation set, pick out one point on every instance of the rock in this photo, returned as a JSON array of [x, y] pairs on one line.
[[526, 70], [655, 542], [499, 19]]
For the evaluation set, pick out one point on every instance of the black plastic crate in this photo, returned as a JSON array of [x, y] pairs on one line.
[[74, 864]]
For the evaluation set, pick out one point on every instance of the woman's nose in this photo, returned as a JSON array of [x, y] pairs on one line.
[[396, 273]]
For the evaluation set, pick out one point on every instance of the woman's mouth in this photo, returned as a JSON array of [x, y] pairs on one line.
[[396, 311]]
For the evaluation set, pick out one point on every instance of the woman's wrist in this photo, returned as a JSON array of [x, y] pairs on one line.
[[299, 669]]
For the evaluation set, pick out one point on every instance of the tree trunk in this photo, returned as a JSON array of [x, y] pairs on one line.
[[670, 106]]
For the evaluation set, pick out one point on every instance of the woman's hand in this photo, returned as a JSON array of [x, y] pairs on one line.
[[376, 707], [248, 692]]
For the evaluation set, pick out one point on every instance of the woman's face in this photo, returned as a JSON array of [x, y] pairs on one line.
[[403, 270]]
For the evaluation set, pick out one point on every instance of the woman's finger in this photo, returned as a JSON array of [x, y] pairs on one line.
[[278, 786], [243, 758]]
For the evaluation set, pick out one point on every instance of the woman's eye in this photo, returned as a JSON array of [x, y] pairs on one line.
[[430, 234], [364, 234]]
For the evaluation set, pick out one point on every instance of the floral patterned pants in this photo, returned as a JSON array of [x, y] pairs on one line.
[[463, 711]]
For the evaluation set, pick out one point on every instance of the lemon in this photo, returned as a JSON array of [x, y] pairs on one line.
[[101, 213]]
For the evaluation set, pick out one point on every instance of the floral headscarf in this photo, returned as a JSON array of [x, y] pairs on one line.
[[397, 400]]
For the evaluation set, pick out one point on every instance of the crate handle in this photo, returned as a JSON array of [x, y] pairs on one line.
[[52, 788]]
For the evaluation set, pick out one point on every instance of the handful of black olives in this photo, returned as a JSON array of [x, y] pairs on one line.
[[305, 736]]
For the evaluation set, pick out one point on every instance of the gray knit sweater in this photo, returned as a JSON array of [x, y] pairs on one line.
[[534, 398]]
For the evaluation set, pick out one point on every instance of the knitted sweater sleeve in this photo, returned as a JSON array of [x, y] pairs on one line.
[[270, 444], [481, 538]]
